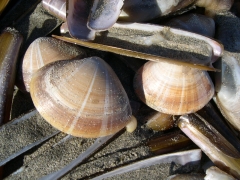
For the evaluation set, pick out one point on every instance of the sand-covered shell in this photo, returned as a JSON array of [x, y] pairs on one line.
[[43, 51], [173, 89], [81, 97]]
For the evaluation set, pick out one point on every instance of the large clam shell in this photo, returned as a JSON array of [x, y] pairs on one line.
[[43, 51], [81, 97], [173, 89]]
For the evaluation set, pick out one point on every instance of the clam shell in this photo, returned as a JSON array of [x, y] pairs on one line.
[[81, 97], [173, 89], [43, 51]]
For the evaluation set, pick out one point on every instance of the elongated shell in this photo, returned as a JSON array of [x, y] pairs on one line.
[[77, 17], [10, 42], [81, 97], [227, 87], [212, 143], [56, 8], [3, 4], [173, 89], [43, 51]]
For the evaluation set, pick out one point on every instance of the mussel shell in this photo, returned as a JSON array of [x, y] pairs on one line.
[[173, 89], [42, 51], [81, 97], [10, 43]]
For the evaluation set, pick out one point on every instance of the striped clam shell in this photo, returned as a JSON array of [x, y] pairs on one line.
[[83, 98], [173, 89], [43, 51]]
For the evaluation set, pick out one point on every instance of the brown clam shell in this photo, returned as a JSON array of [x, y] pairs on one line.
[[43, 51], [173, 89], [83, 98]]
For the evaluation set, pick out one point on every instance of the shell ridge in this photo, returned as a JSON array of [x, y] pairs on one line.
[[183, 97], [106, 107], [40, 56], [74, 122]]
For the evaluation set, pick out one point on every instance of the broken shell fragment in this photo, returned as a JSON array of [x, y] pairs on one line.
[[212, 143], [77, 17], [104, 14], [173, 89], [10, 43], [81, 97], [43, 51]]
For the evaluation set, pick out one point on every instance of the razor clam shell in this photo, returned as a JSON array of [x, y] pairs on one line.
[[42, 51], [23, 133], [195, 23], [173, 89], [160, 121], [3, 4], [88, 98], [227, 31], [227, 87], [10, 42], [77, 17], [183, 158], [162, 41], [169, 142], [215, 118], [213, 144], [104, 13], [56, 8], [192, 176], [139, 11]]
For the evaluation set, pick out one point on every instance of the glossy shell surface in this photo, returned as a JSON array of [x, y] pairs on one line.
[[43, 51], [81, 97], [173, 89]]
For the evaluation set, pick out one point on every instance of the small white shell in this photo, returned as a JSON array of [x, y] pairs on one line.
[[81, 97]]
